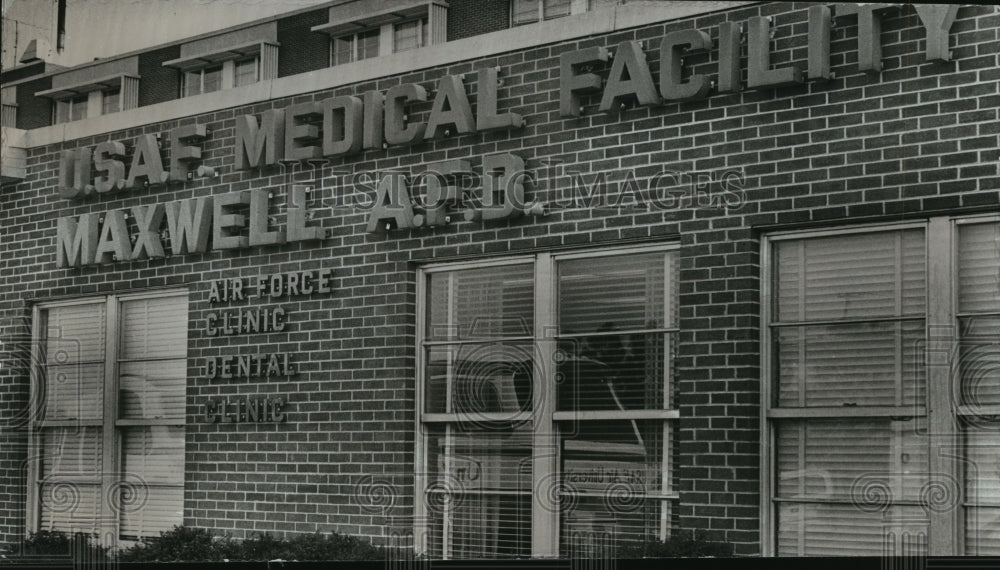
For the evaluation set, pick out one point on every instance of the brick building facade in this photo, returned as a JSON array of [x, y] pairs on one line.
[[824, 218]]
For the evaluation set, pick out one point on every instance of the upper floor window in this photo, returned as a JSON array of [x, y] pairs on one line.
[[201, 81], [231, 59], [409, 35], [531, 11], [72, 109], [374, 28], [111, 101], [99, 88], [355, 47]]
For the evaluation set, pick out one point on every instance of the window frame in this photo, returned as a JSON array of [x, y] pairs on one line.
[[112, 426], [947, 530], [105, 97], [355, 40], [545, 515], [423, 32], [575, 7], [69, 103]]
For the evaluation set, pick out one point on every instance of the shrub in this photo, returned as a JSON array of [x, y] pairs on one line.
[[682, 544], [55, 545], [180, 543], [192, 544]]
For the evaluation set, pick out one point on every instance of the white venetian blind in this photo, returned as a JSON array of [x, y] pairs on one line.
[[152, 495], [979, 365], [480, 491], [979, 268], [982, 476], [848, 332], [73, 371], [839, 283], [152, 380], [70, 490], [486, 303]]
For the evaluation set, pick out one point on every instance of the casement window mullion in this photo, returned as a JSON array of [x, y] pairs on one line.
[[941, 336], [110, 458], [545, 456], [33, 512]]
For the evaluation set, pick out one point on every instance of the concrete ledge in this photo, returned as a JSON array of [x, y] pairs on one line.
[[601, 21], [13, 155]]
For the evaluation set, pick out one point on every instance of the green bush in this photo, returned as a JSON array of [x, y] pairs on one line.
[[181, 543], [681, 544], [56, 544], [192, 544]]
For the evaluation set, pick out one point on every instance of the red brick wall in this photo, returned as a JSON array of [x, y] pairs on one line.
[[916, 139]]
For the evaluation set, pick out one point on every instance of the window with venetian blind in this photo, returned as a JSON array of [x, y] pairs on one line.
[[868, 332], [545, 405], [110, 377]]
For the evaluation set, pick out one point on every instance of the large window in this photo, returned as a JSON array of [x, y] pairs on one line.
[[881, 347], [545, 403], [110, 380]]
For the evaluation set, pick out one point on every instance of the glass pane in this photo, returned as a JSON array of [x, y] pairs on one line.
[[109, 102], [865, 364], [614, 293], [246, 72], [596, 527], [476, 378], [613, 372], [74, 392], [78, 109], [153, 389], [192, 83], [154, 328], [62, 111], [979, 361], [212, 80], [368, 44], [481, 303], [620, 460], [870, 462], [846, 530], [343, 50], [480, 526], [979, 267], [153, 455], [525, 11], [75, 334], [467, 459], [71, 452], [69, 506], [982, 532], [982, 465], [555, 8], [852, 276], [406, 36], [146, 512]]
